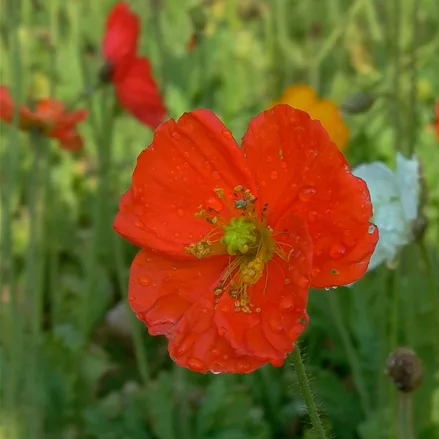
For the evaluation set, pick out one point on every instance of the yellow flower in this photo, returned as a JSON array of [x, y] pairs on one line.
[[303, 98]]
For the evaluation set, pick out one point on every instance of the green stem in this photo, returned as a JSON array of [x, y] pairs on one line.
[[139, 348], [432, 293], [12, 324], [394, 37], [412, 113], [393, 330], [357, 373], [184, 408], [33, 288], [306, 392], [405, 416]]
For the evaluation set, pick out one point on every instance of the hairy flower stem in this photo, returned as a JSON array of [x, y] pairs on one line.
[[306, 392]]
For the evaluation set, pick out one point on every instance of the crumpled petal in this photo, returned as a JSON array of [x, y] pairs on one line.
[[299, 170], [281, 297], [176, 175]]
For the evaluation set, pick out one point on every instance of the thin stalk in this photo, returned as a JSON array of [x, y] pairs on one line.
[[432, 293], [393, 330], [306, 392], [103, 140], [357, 373], [395, 37], [184, 409], [33, 288], [10, 184], [122, 279], [412, 113], [157, 9], [405, 416], [332, 40]]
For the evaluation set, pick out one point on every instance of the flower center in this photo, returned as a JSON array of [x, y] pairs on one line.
[[239, 235], [246, 238]]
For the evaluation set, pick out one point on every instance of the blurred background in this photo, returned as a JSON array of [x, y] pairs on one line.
[[75, 363]]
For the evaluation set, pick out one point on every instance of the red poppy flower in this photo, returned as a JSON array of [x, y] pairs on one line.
[[233, 238], [50, 118], [136, 90], [121, 33]]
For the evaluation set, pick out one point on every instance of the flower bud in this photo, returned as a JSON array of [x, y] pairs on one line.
[[404, 367]]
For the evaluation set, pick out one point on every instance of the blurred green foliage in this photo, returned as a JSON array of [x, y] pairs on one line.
[[69, 370]]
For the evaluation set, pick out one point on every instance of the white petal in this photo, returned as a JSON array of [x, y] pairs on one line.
[[388, 212], [408, 178], [380, 180]]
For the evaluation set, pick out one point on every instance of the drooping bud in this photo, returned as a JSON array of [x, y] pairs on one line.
[[404, 367], [358, 103]]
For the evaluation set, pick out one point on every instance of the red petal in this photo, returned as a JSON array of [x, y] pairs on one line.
[[299, 170], [137, 92], [280, 295], [186, 161], [121, 33], [6, 105], [161, 289], [197, 345]]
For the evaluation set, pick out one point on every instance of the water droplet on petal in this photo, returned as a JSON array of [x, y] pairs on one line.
[[216, 175], [216, 368], [138, 223], [177, 235], [371, 229], [144, 281], [195, 364], [227, 135], [306, 194], [222, 331], [263, 183], [131, 298], [275, 324], [175, 135], [269, 159], [225, 356], [180, 213], [242, 366], [273, 175], [312, 215], [337, 251], [286, 302], [215, 352], [303, 282]]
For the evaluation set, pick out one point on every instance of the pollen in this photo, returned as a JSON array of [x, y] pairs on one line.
[[200, 249], [245, 237], [252, 271]]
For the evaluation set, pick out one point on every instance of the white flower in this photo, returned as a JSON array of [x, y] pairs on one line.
[[395, 200]]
